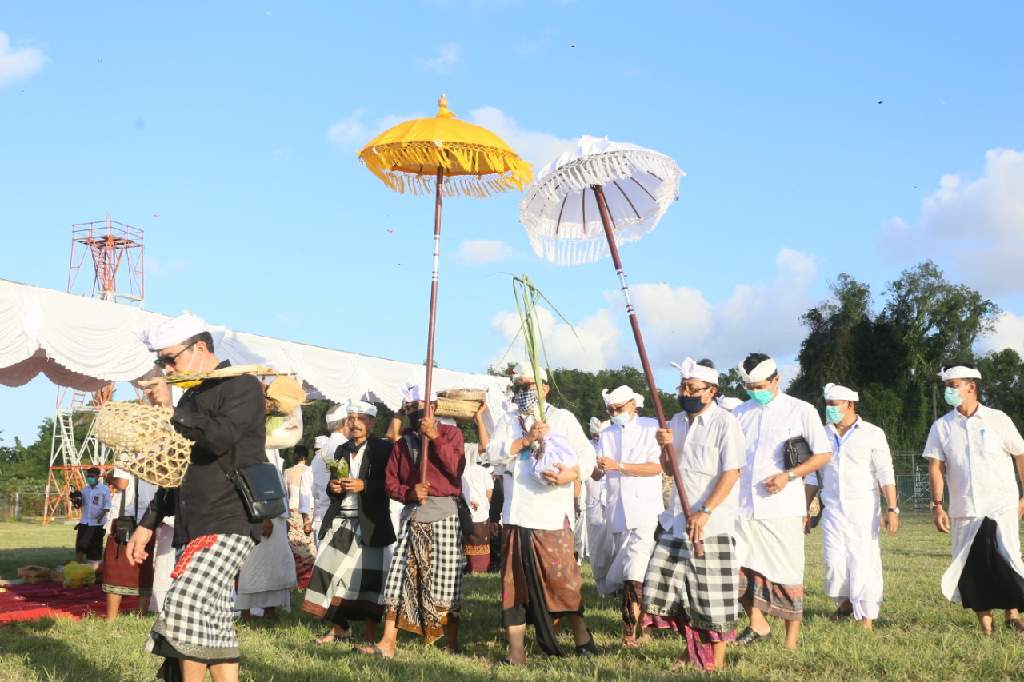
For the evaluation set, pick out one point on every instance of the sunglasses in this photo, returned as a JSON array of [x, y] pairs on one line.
[[164, 361]]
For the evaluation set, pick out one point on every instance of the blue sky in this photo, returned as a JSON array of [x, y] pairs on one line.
[[228, 132]]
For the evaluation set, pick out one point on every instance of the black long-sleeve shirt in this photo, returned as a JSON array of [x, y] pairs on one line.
[[225, 419]]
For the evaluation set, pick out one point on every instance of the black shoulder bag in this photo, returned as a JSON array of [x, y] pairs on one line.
[[124, 525], [259, 485], [795, 452]]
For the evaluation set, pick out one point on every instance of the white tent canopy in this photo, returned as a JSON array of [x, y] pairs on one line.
[[85, 343]]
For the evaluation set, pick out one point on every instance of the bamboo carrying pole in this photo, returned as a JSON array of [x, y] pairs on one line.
[[669, 450], [428, 409]]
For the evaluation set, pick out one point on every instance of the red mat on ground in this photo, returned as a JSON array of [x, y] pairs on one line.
[[51, 600]]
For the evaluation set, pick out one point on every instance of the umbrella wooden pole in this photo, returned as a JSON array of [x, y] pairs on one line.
[[429, 410], [668, 450]]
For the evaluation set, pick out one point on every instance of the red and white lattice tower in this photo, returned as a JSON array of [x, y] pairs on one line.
[[114, 253]]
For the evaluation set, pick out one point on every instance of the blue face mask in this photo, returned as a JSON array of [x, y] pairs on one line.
[[833, 415], [621, 419], [952, 396], [762, 396]]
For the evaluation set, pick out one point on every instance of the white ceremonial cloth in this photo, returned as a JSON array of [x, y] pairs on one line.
[[766, 428], [978, 452], [529, 503], [850, 522], [853, 558], [267, 576], [631, 552], [164, 556], [633, 501], [476, 483], [705, 448], [963, 531], [772, 547]]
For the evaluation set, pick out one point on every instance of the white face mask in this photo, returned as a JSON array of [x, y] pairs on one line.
[[622, 418]]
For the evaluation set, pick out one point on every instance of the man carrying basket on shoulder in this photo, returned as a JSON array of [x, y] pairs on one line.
[[224, 418]]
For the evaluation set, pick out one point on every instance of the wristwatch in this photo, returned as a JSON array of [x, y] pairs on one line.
[[894, 510], [791, 475], [936, 505], [706, 510]]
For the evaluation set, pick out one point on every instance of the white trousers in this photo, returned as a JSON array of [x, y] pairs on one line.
[[853, 558]]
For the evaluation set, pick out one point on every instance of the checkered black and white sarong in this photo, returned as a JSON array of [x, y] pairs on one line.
[[347, 575], [197, 619], [424, 583], [704, 589]]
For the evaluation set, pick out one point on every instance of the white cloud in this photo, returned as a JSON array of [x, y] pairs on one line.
[[482, 251], [447, 57], [975, 224], [1008, 333], [20, 64], [354, 130], [536, 147], [679, 321]]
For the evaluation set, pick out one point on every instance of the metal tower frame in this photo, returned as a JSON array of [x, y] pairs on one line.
[[116, 254]]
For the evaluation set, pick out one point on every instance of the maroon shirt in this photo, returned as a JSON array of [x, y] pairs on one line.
[[446, 459]]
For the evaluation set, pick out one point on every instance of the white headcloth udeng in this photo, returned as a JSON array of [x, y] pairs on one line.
[[764, 369], [335, 414], [959, 372], [361, 407], [729, 403], [689, 369], [167, 333], [525, 371], [838, 392], [622, 394], [413, 393]]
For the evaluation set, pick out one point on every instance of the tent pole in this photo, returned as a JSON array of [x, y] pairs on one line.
[[667, 450]]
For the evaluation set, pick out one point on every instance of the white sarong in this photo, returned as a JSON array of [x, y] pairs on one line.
[[772, 547], [964, 529], [853, 558], [267, 577], [164, 556], [631, 552]]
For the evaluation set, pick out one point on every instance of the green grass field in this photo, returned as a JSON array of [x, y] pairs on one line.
[[920, 636]]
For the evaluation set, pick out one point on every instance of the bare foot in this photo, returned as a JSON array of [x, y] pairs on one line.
[[1015, 624], [333, 636], [378, 650]]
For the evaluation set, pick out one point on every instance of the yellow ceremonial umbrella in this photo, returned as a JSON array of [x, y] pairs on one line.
[[463, 159]]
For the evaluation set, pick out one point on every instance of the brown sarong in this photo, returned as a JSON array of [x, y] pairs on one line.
[[773, 599], [477, 547], [120, 577], [540, 580]]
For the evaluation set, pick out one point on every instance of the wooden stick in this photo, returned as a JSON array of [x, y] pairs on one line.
[[429, 410], [669, 450]]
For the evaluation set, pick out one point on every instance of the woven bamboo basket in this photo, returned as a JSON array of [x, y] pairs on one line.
[[144, 442], [459, 403]]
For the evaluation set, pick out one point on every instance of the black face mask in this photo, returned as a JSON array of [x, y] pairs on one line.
[[690, 403]]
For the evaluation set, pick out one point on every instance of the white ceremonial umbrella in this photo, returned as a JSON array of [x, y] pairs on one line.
[[585, 203]]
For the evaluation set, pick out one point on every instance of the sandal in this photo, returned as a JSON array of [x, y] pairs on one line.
[[588, 649], [749, 636]]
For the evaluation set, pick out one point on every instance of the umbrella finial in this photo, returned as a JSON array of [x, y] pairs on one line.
[[442, 107]]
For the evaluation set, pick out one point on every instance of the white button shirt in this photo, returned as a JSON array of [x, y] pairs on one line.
[[705, 449], [978, 452], [476, 483], [95, 504], [861, 461], [528, 502], [317, 476], [633, 501], [766, 428]]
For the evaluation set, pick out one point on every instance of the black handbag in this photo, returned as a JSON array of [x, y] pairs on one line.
[[260, 487], [795, 452], [123, 525]]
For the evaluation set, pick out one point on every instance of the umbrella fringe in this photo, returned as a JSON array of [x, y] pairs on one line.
[[501, 171]]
